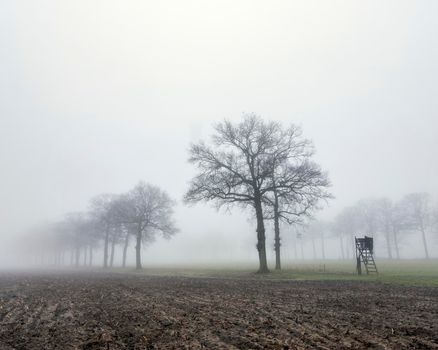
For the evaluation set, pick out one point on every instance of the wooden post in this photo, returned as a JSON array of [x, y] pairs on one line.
[[358, 266]]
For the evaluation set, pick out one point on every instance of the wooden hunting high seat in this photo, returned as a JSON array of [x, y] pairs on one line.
[[364, 254]]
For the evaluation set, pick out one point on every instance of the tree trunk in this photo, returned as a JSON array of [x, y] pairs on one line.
[[277, 234], [105, 249], [314, 248], [261, 238], [72, 257], [78, 253], [125, 250], [322, 246], [342, 247], [85, 255], [347, 249], [423, 235], [113, 243], [90, 261], [395, 234], [388, 244], [138, 250]]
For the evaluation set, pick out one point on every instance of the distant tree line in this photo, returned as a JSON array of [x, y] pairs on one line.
[[387, 221], [112, 220]]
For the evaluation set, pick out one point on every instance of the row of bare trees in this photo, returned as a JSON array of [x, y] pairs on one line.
[[263, 166], [389, 221], [256, 164], [142, 213]]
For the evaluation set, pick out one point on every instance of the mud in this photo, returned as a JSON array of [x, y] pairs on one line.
[[115, 311]]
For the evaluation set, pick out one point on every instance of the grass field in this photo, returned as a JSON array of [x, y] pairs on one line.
[[409, 272]]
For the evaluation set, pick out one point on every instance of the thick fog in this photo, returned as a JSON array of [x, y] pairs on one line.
[[96, 96]]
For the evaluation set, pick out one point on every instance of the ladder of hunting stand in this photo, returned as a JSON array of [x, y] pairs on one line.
[[366, 256]]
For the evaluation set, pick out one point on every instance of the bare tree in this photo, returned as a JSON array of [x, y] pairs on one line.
[[104, 211], [392, 222], [417, 211], [127, 234], [115, 239], [150, 211], [77, 227], [236, 168], [347, 224], [375, 217], [91, 236], [316, 229], [369, 212], [298, 184]]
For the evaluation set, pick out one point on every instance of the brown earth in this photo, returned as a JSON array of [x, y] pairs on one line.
[[117, 311]]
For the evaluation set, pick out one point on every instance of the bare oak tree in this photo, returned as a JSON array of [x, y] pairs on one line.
[[149, 211], [392, 222], [104, 211], [234, 170], [417, 210], [244, 164]]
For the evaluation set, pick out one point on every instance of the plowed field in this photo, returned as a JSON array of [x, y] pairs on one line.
[[122, 311]]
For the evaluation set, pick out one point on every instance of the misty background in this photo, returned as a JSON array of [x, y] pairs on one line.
[[95, 96]]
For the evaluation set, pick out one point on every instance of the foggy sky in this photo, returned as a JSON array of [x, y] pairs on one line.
[[97, 95]]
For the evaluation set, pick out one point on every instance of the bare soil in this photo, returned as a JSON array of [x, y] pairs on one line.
[[122, 311]]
